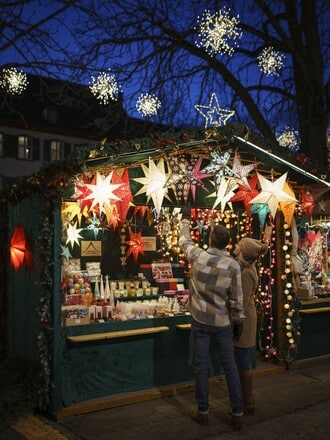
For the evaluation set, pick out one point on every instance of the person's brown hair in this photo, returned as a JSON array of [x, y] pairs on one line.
[[219, 237]]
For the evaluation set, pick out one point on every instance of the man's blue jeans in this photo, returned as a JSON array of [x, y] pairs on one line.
[[223, 337]]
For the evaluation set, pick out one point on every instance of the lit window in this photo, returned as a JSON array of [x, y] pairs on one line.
[[25, 144], [56, 150]]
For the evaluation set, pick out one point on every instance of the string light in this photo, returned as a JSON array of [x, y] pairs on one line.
[[217, 30], [14, 81], [270, 61], [289, 139], [105, 87], [148, 105]]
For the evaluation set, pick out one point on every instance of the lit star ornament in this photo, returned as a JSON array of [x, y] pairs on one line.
[[218, 166], [105, 87], [102, 191], [73, 235], [214, 115], [240, 171], [14, 81], [218, 32], [135, 244], [273, 193], [224, 193], [148, 104]]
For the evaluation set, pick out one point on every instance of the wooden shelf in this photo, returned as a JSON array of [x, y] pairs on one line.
[[183, 326], [315, 310], [118, 334]]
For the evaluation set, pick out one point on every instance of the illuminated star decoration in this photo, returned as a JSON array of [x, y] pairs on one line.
[[153, 183], [123, 192], [224, 193], [272, 193], [72, 210], [288, 208], [262, 210], [81, 192], [218, 167], [201, 227], [245, 194], [218, 32], [73, 234], [194, 176], [94, 225], [148, 104], [14, 81], [105, 87], [177, 176], [289, 139], [270, 61], [240, 171], [66, 252], [135, 244], [102, 192], [214, 115]]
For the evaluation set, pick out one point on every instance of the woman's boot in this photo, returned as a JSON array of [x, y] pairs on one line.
[[246, 383]]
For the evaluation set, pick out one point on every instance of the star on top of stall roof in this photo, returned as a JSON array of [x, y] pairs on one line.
[[273, 193], [102, 191], [214, 115]]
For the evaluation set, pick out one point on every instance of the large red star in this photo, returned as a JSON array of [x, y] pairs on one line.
[[135, 244], [245, 194], [123, 192]]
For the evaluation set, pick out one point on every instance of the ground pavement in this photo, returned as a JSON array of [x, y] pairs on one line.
[[290, 404]]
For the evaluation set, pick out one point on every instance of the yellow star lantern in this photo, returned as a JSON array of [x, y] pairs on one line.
[[273, 193]]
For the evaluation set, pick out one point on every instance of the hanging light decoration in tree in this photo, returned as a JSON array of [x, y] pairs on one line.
[[289, 139], [218, 32], [148, 104], [105, 87], [13, 80], [270, 61]]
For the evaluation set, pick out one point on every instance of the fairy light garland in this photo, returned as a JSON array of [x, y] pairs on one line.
[[290, 303]]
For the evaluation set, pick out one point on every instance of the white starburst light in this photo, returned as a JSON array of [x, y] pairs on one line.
[[13, 80], [73, 234], [102, 192], [218, 32], [289, 139], [105, 87], [270, 61], [148, 104]]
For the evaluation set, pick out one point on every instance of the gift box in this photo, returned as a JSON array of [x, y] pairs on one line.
[[75, 315], [305, 293]]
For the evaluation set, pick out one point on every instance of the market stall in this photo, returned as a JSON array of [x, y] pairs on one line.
[[97, 283]]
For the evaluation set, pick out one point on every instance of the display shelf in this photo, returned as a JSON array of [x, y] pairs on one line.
[[117, 334], [315, 310], [183, 326]]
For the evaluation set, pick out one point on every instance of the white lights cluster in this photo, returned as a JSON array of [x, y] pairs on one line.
[[105, 87], [270, 61], [148, 104], [13, 80], [289, 139], [218, 32]]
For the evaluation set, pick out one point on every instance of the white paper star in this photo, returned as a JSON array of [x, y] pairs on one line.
[[73, 234], [224, 193], [214, 115], [240, 171], [102, 192], [273, 193], [218, 166], [153, 183]]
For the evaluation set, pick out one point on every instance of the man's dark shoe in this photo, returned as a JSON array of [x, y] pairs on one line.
[[201, 419], [237, 422]]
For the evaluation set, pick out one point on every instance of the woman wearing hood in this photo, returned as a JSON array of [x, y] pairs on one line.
[[247, 252]]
